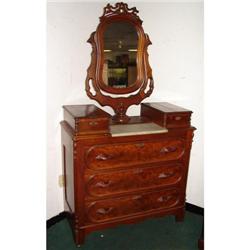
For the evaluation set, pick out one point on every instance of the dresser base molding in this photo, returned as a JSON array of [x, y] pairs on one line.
[[64, 215], [81, 232]]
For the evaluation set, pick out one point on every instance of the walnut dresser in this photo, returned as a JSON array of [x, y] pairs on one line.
[[120, 169], [112, 179]]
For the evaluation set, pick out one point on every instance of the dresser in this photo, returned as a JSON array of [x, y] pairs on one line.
[[120, 169], [121, 177]]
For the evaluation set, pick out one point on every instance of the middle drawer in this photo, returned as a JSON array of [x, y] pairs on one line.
[[132, 180]]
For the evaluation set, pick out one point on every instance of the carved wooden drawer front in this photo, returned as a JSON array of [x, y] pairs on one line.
[[133, 179], [104, 210], [129, 154]]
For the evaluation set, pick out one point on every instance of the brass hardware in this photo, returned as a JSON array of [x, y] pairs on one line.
[[140, 145], [93, 123], [136, 197], [178, 118], [162, 198], [168, 149], [138, 171], [103, 184], [164, 150], [103, 157], [104, 210], [164, 175]]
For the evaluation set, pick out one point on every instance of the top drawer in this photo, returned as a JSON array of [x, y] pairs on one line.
[[87, 119], [166, 114], [128, 154]]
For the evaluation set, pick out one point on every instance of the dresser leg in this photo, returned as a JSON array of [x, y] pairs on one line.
[[79, 237], [180, 216]]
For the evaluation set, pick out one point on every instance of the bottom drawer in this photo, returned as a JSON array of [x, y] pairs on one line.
[[100, 211]]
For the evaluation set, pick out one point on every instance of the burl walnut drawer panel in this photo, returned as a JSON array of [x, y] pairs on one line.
[[129, 154], [104, 210], [133, 180]]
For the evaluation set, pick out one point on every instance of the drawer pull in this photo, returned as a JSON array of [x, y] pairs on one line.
[[103, 157], [168, 150], [136, 197], [92, 123], [140, 145], [103, 184], [138, 171], [165, 175], [163, 198], [104, 210], [178, 118]]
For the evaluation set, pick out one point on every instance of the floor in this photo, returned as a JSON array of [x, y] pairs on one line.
[[152, 234]]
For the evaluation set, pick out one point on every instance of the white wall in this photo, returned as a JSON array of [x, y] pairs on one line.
[[176, 57]]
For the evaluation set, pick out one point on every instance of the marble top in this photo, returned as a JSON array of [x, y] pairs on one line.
[[136, 129]]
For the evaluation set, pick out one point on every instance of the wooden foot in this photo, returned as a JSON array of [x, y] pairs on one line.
[[79, 237]]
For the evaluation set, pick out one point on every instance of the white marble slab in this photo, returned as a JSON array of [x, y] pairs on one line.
[[136, 129]]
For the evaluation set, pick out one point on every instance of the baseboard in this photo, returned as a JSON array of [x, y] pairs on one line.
[[189, 207], [194, 209], [56, 219]]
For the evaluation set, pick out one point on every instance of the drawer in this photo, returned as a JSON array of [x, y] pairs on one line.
[[86, 119], [129, 154], [178, 120], [93, 126], [130, 180], [104, 210], [166, 114]]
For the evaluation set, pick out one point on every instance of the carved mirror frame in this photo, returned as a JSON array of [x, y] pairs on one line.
[[118, 98]]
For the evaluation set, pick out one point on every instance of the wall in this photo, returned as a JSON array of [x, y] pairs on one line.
[[176, 57]]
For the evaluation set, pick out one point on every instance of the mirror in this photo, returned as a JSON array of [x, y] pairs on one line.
[[119, 74], [120, 44]]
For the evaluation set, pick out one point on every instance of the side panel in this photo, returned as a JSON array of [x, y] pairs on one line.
[[68, 171]]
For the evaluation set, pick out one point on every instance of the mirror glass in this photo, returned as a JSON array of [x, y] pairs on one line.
[[120, 52]]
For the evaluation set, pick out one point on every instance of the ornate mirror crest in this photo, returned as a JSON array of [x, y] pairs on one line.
[[125, 70]]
